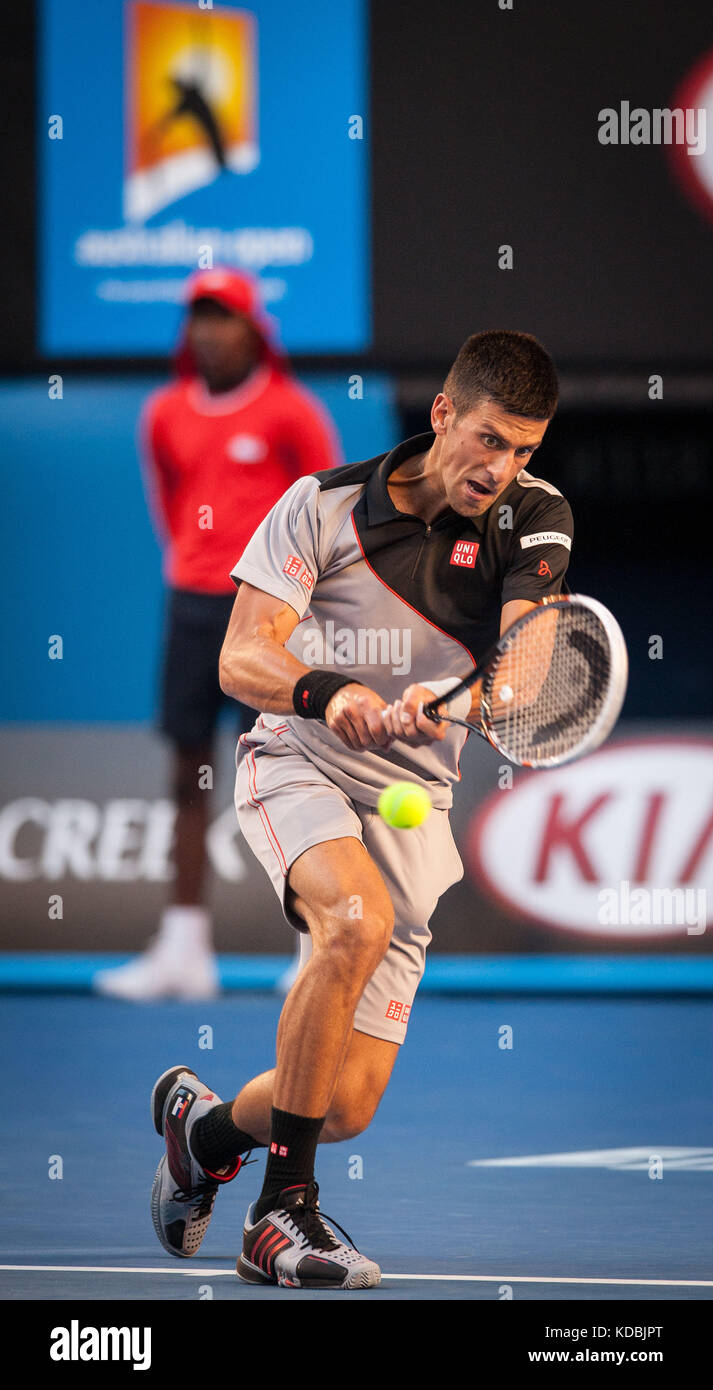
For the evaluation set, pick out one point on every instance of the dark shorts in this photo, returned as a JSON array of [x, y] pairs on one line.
[[191, 699]]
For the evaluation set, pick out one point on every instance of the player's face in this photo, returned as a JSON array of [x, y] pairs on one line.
[[481, 452], [224, 345]]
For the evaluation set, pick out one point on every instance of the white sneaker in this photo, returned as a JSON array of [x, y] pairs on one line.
[[293, 1246], [178, 964]]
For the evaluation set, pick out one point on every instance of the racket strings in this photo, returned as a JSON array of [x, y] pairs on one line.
[[549, 686]]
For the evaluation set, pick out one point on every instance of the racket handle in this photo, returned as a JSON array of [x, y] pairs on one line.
[[450, 689]]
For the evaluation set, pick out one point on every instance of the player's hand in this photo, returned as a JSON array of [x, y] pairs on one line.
[[404, 719], [355, 715]]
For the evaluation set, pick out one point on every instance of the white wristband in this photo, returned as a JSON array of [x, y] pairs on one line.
[[460, 707]]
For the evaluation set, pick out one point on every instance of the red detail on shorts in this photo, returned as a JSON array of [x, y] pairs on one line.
[[464, 553], [280, 728], [254, 801], [395, 1010]]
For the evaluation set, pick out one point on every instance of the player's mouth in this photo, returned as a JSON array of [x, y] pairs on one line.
[[478, 490]]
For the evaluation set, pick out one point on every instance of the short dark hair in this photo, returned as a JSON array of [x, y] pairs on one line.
[[511, 369]]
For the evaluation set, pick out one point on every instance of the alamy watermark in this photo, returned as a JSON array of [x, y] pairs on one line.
[[662, 126], [75, 1343], [360, 646], [625, 906]]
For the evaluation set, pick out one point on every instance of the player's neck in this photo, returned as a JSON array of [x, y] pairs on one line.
[[415, 487]]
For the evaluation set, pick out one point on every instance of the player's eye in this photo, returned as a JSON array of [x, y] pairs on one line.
[[491, 441]]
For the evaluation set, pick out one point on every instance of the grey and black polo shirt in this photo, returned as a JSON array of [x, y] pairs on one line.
[[393, 601]]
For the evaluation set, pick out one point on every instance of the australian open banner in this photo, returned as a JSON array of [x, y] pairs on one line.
[[219, 135]]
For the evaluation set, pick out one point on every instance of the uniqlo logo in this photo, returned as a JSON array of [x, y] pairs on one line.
[[395, 1010], [464, 553], [296, 570], [280, 1150]]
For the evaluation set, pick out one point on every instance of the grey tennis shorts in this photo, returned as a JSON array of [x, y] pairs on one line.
[[285, 804]]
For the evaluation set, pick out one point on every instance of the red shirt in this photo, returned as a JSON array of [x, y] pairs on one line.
[[215, 465]]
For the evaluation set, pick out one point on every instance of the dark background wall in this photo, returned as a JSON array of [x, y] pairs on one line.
[[483, 131]]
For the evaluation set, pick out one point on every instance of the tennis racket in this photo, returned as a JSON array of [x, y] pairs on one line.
[[552, 687]]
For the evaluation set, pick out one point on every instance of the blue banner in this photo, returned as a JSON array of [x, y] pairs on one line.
[[176, 136]]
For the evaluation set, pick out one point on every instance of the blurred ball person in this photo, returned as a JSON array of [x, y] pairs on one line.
[[221, 444]]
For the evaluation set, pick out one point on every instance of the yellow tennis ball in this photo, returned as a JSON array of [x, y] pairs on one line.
[[404, 805]]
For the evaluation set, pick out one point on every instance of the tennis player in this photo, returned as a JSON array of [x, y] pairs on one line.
[[365, 592]]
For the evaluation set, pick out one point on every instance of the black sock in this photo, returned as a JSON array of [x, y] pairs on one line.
[[216, 1141], [290, 1156]]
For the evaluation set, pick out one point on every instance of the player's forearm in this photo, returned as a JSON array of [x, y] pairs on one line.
[[261, 673]]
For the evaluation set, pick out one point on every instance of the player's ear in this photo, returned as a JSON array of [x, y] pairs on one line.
[[442, 411]]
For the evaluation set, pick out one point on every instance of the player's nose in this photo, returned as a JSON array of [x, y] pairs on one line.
[[496, 468]]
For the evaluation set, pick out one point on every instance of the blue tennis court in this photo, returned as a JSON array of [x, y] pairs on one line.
[[583, 1077]]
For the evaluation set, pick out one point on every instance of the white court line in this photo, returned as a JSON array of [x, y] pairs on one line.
[[438, 1278]]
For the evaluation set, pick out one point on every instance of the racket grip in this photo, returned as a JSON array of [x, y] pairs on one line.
[[460, 707]]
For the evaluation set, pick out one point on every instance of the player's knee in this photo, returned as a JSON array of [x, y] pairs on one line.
[[347, 1120], [355, 943], [369, 934]]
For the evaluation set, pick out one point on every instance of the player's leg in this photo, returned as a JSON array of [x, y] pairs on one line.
[[340, 895], [350, 932], [288, 811], [364, 1076], [417, 867]]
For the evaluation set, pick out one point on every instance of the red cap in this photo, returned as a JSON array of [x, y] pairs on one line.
[[241, 294]]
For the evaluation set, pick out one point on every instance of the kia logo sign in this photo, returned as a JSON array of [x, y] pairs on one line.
[[619, 845]]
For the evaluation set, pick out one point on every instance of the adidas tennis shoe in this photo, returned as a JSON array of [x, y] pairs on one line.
[[294, 1247], [183, 1193]]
